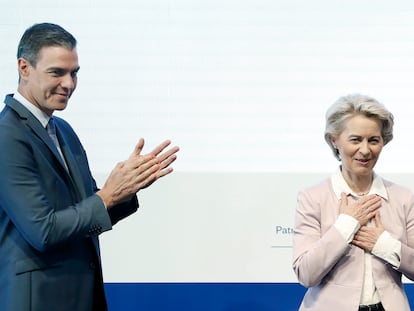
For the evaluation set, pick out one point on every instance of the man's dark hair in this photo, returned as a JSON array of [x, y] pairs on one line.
[[43, 35]]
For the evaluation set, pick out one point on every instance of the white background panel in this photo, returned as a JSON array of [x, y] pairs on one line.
[[242, 87]]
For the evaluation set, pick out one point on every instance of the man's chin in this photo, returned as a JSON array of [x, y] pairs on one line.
[[61, 106]]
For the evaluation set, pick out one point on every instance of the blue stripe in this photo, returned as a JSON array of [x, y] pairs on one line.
[[209, 296]]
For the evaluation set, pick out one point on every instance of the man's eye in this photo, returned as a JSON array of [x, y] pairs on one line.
[[56, 73]]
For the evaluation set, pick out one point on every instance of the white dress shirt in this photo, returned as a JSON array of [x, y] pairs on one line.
[[39, 114], [386, 247], [42, 117]]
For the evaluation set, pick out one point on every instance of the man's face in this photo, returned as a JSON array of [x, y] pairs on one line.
[[52, 81]]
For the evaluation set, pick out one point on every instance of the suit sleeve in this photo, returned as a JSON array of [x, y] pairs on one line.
[[117, 212], [123, 210], [35, 198]]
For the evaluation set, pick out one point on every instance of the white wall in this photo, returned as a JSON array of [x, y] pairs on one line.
[[242, 87]]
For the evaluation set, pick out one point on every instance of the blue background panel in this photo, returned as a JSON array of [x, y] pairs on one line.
[[209, 296]]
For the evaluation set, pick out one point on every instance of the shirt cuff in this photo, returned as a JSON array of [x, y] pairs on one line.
[[347, 227], [388, 249]]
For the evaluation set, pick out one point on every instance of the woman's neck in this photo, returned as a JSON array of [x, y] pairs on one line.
[[358, 184]]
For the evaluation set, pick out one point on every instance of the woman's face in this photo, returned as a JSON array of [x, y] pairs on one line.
[[359, 145]]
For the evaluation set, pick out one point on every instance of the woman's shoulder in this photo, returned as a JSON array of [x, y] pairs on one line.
[[397, 189], [319, 186], [318, 192]]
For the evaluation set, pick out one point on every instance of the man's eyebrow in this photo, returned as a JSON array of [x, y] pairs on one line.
[[60, 69], [54, 68]]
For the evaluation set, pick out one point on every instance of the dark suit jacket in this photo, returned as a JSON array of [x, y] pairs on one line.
[[49, 219]]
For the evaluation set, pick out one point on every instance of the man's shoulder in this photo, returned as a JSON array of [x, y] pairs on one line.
[[8, 116], [13, 109]]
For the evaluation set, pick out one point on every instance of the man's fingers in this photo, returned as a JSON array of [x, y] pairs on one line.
[[164, 172], [169, 153], [138, 148], [160, 147], [167, 160]]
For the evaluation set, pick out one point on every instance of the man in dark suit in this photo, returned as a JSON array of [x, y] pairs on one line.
[[51, 211]]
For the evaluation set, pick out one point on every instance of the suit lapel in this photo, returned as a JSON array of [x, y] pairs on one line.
[[33, 123], [72, 164]]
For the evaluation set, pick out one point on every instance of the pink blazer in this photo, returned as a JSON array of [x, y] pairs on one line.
[[332, 269]]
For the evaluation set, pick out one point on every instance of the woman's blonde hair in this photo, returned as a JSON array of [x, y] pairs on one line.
[[356, 104]]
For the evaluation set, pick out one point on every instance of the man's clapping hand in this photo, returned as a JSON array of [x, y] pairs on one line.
[[137, 172]]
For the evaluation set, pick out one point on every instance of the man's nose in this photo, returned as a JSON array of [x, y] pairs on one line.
[[68, 82]]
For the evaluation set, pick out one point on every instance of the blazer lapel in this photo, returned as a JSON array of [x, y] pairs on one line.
[[33, 123], [72, 165], [30, 120]]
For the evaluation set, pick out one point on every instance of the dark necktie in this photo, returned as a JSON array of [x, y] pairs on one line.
[[51, 130]]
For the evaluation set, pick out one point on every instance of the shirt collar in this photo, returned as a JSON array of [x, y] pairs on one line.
[[339, 185], [39, 114]]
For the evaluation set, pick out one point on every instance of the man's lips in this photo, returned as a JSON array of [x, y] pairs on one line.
[[62, 95]]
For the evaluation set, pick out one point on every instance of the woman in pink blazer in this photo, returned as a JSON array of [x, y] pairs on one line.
[[354, 232]]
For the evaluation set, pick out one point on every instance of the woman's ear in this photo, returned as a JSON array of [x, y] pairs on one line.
[[333, 142]]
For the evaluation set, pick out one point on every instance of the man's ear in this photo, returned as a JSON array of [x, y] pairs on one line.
[[23, 67]]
